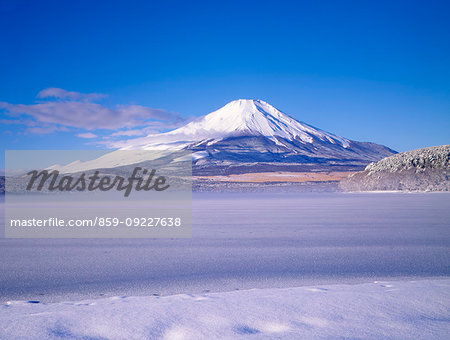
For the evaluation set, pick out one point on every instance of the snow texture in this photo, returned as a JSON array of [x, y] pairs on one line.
[[378, 310]]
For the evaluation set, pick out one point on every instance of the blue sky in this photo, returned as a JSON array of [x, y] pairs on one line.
[[84, 74]]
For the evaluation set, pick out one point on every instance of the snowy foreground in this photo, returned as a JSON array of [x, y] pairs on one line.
[[394, 310], [274, 266]]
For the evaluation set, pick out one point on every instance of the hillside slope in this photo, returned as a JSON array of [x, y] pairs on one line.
[[425, 169]]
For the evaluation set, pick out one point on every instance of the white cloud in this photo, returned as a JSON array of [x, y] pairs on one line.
[[54, 92], [87, 135], [77, 110], [87, 115], [41, 130], [128, 133]]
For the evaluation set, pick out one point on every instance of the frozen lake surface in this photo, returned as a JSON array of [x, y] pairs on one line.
[[243, 241]]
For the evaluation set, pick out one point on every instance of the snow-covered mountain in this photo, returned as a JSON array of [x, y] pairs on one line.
[[238, 118], [252, 135]]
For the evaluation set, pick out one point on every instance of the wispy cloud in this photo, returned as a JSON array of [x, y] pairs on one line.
[[54, 92], [87, 135], [122, 137], [32, 126], [87, 115], [44, 130], [61, 110], [128, 133]]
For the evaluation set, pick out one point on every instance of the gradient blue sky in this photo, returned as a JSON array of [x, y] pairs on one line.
[[366, 70]]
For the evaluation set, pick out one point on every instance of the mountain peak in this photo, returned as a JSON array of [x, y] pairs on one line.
[[248, 106], [254, 117], [247, 102], [241, 117]]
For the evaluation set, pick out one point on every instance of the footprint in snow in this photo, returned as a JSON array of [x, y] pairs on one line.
[[244, 329]]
